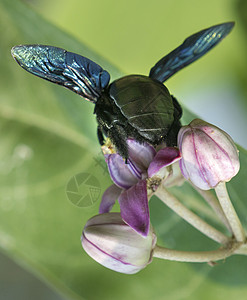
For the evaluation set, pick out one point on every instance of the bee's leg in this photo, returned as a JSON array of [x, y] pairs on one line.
[[119, 137], [100, 135], [178, 109], [114, 129], [171, 138]]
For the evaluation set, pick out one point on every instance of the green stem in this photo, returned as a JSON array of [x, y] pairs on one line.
[[195, 256], [189, 216], [242, 250], [230, 212], [215, 205]]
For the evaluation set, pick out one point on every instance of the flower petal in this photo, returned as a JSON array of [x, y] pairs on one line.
[[140, 154], [162, 159], [120, 172], [109, 198], [134, 207]]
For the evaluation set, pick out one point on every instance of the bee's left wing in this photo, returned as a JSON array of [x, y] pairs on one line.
[[75, 72], [190, 50]]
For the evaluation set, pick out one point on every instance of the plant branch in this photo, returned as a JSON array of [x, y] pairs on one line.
[[195, 256], [189, 216], [215, 205], [230, 212], [242, 250]]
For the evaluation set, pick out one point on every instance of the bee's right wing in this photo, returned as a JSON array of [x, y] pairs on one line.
[[75, 72]]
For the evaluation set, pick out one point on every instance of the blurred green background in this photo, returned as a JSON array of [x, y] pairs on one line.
[[48, 135]]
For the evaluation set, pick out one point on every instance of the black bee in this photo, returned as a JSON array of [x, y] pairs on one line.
[[133, 106]]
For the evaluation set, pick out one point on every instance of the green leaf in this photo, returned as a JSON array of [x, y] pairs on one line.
[[48, 135]]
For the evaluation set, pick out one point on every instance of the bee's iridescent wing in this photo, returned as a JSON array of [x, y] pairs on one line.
[[75, 72], [190, 50]]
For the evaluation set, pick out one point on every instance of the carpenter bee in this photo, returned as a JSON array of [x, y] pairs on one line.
[[134, 106]]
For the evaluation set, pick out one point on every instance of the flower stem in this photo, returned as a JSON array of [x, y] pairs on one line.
[[230, 212], [195, 256], [215, 205], [189, 216], [242, 250]]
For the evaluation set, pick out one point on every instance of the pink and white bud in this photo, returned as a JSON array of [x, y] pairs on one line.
[[115, 245], [209, 155]]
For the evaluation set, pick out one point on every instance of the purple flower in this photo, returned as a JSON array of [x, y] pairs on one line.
[[159, 167], [130, 186], [209, 155], [115, 245]]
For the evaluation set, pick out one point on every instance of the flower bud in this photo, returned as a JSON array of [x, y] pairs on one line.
[[209, 155], [115, 245]]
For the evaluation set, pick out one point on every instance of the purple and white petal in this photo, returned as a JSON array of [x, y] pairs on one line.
[[134, 207], [140, 154], [120, 172], [135, 170], [162, 159], [109, 198]]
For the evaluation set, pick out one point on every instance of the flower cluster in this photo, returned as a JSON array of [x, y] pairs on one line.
[[125, 242], [130, 181]]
